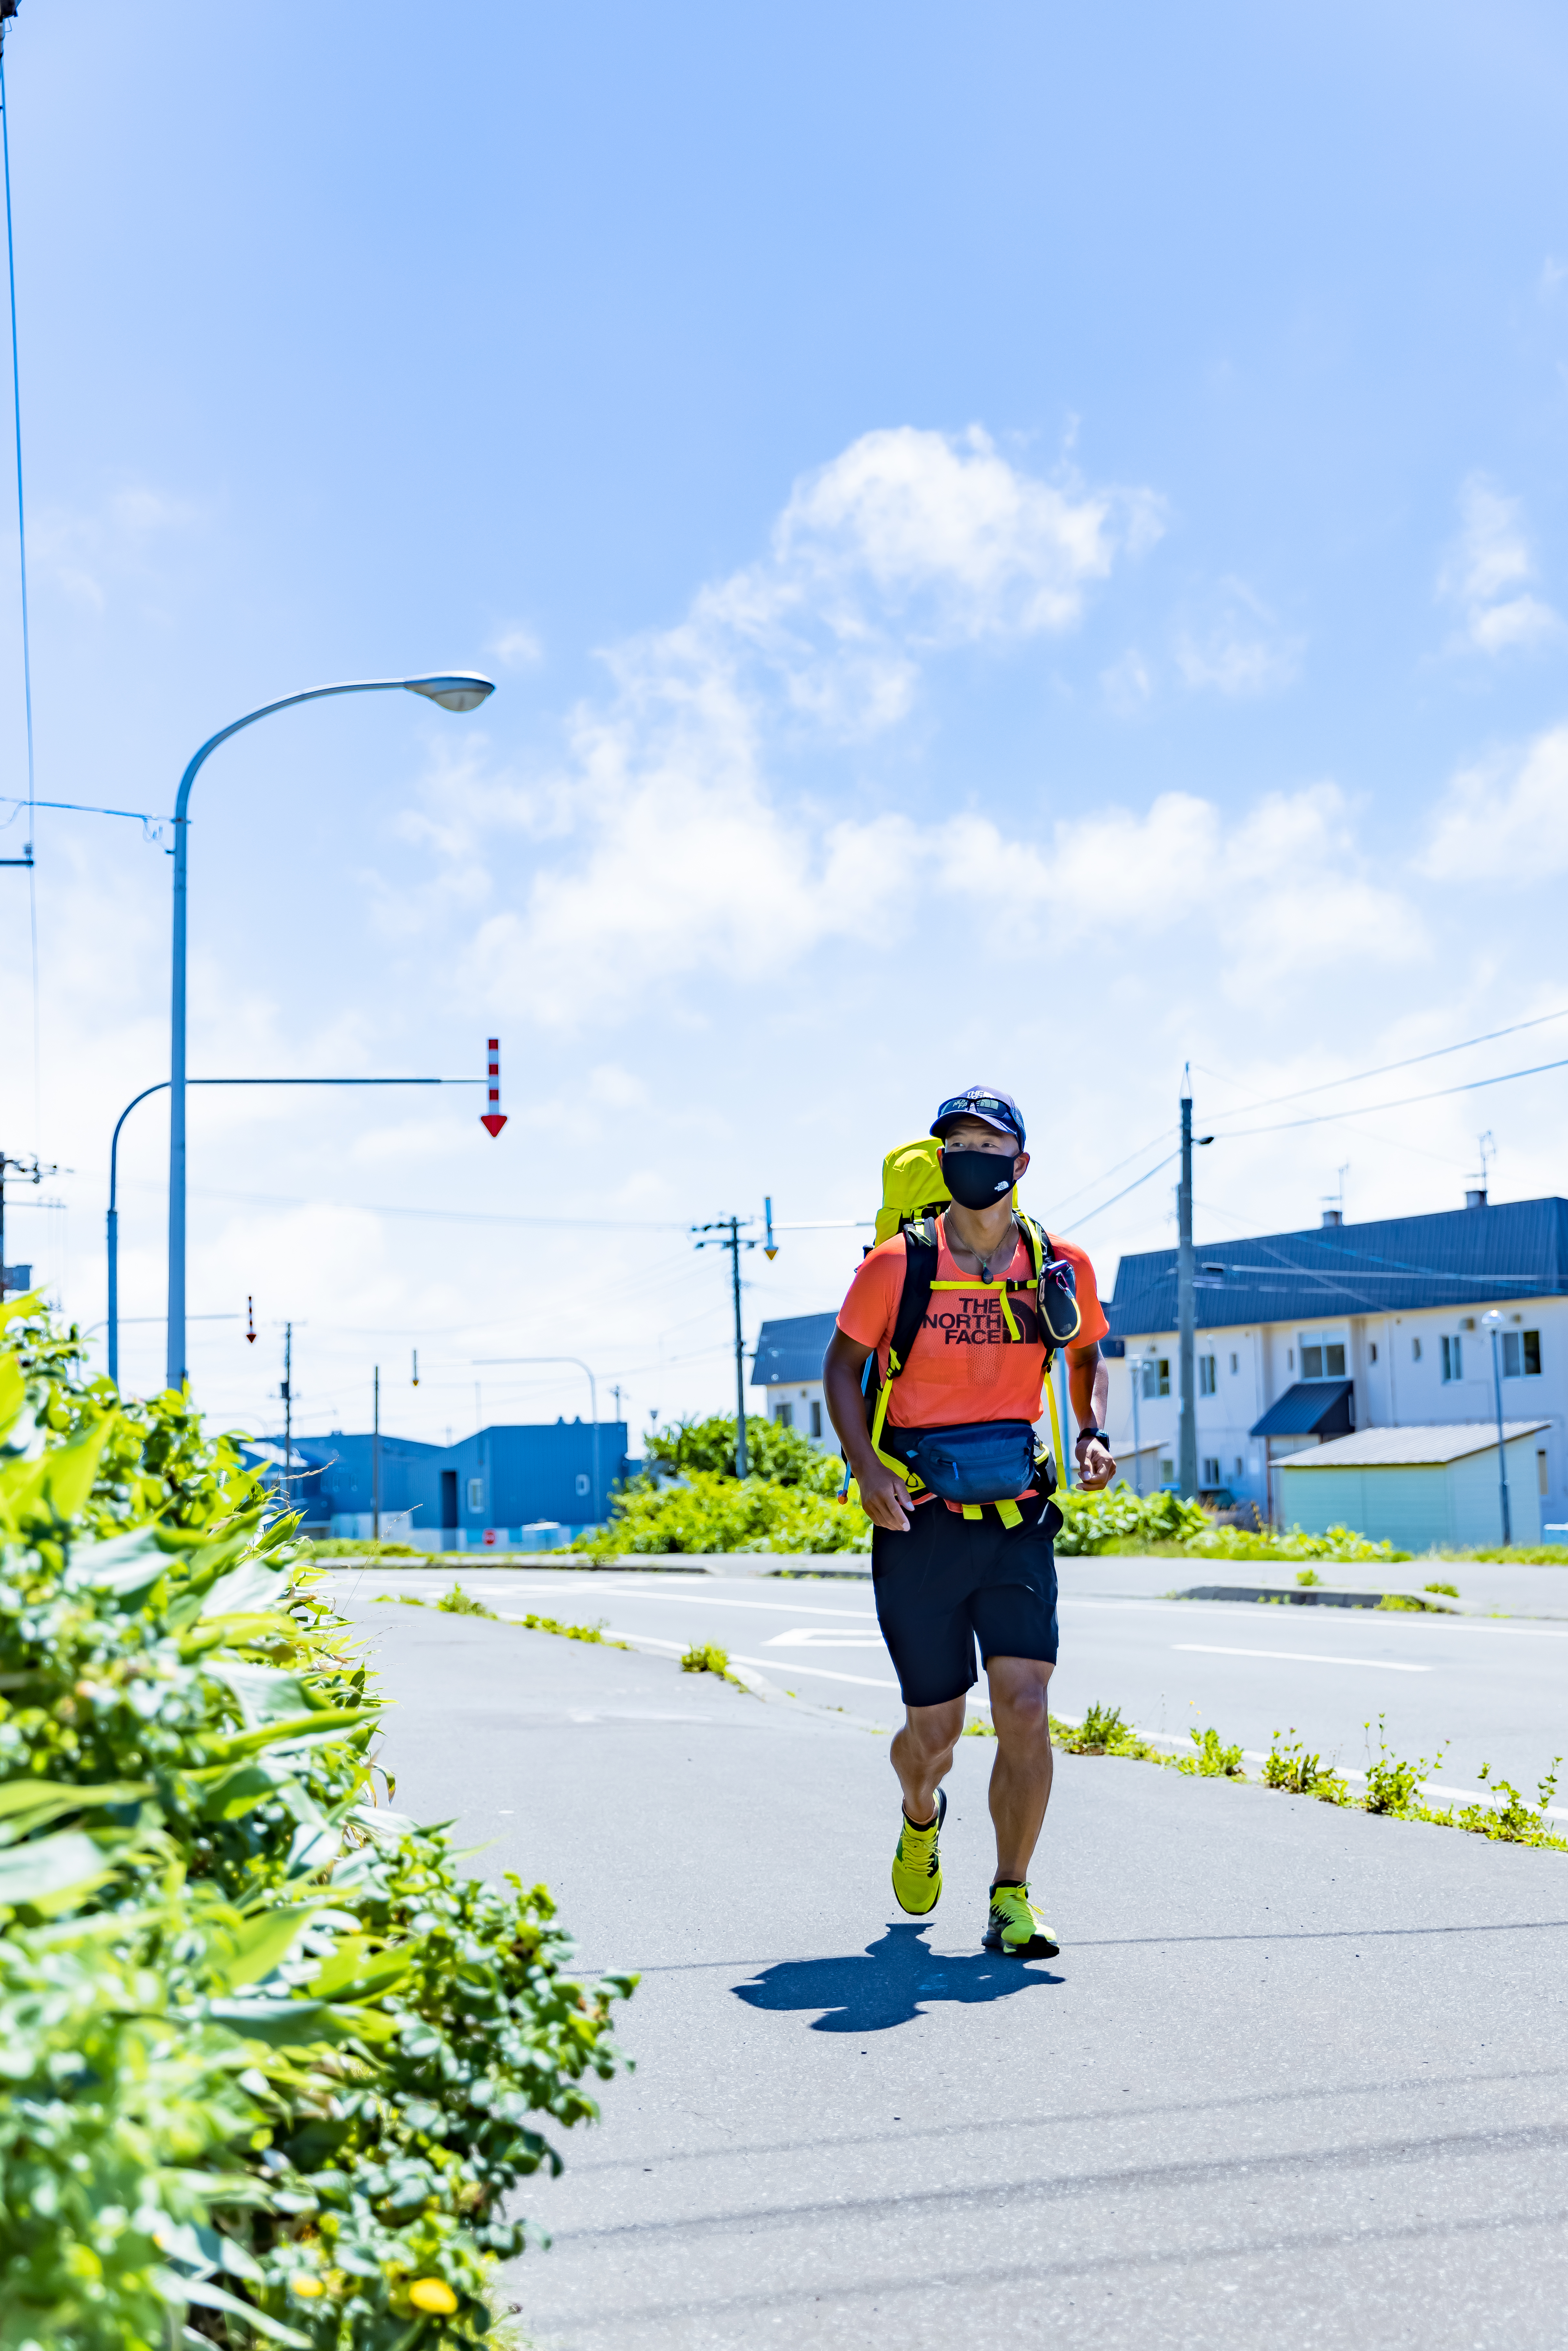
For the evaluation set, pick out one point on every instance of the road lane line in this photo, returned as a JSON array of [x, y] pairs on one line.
[[1298, 1657]]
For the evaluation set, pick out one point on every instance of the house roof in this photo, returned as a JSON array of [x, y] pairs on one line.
[[1394, 1448], [791, 1349], [1311, 1408], [1513, 1251]]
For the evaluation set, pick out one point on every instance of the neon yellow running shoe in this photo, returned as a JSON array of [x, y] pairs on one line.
[[916, 1866], [1014, 1926]]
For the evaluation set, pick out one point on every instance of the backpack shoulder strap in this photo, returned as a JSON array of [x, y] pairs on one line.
[[1038, 1238], [921, 1253]]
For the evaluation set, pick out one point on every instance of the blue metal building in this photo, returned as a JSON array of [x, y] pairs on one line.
[[499, 1480]]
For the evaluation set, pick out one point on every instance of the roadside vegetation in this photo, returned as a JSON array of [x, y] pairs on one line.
[[275, 2067], [690, 1500], [1391, 1785]]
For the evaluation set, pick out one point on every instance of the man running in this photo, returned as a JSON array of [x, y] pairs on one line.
[[942, 1575]]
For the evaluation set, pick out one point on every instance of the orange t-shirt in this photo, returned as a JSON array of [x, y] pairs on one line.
[[962, 1366]]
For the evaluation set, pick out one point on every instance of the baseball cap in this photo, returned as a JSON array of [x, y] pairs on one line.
[[986, 1103]]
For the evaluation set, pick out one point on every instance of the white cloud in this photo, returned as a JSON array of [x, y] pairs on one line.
[[87, 552], [1127, 685], [678, 857], [1505, 818], [515, 647], [1240, 650], [1485, 573], [909, 544]]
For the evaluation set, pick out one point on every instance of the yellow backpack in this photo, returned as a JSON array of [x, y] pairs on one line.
[[912, 1186]]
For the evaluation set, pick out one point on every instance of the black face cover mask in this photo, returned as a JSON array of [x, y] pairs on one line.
[[978, 1180]]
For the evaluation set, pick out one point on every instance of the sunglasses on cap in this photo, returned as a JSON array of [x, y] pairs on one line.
[[994, 1106]]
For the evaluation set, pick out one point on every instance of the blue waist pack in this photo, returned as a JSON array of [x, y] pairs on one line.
[[983, 1461]]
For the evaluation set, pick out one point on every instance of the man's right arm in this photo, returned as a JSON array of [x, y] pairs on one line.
[[884, 1497]]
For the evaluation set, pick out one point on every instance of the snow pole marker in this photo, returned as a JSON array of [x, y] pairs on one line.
[[494, 1118]]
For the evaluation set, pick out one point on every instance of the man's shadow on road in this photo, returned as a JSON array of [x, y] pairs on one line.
[[891, 1982]]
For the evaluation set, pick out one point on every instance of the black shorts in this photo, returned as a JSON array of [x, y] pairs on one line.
[[951, 1578]]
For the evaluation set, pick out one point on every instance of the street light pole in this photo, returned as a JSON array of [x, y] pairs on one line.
[[1493, 1323], [461, 690]]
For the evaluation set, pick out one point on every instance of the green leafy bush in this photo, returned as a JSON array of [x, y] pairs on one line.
[[272, 2067], [711, 1512], [1120, 1520], [772, 1451]]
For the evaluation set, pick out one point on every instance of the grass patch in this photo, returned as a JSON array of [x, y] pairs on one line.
[[1308, 1576], [1103, 1732], [1301, 1773], [1450, 1591], [706, 1657], [1214, 1760], [458, 1602], [566, 1632]]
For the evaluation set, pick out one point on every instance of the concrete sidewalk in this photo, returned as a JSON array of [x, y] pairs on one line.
[[1300, 2078]]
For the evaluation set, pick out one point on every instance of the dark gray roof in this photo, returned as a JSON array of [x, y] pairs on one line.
[[1461, 1257], [1311, 1408], [791, 1349]]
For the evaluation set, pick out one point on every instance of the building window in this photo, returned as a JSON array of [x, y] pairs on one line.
[[1234, 1365], [816, 1420], [784, 1415], [1290, 1358], [1453, 1357], [1323, 1363], [476, 1493], [1211, 1469], [1206, 1384], [1520, 1353], [582, 1482], [1241, 1467], [1156, 1377], [1371, 1353], [1415, 1351], [1167, 1473], [1540, 1483]]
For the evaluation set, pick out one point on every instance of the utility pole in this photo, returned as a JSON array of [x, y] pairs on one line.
[[287, 1407], [1493, 1323], [1136, 1369], [376, 1460], [1187, 1427], [730, 1226], [30, 1172]]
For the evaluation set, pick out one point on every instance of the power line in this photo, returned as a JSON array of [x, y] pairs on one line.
[[1383, 1068], [1405, 1102]]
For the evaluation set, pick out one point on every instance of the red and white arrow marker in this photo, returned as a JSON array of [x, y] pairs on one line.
[[495, 1118]]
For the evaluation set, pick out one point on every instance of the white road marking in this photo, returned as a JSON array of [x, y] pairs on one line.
[[1297, 1657], [821, 1673], [823, 1636]]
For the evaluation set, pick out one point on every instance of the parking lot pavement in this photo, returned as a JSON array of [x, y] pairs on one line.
[[1299, 2078], [1495, 1692]]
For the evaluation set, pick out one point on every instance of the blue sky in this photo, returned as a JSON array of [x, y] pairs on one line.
[[1028, 547]]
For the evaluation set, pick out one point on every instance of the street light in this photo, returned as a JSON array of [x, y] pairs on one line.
[[1493, 1323], [456, 690]]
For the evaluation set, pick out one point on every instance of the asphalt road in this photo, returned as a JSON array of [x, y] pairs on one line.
[[1296, 2079], [1495, 1691]]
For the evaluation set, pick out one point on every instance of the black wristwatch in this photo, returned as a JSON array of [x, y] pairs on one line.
[[1092, 1436]]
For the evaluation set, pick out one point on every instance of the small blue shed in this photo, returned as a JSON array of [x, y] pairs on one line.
[[1419, 1488]]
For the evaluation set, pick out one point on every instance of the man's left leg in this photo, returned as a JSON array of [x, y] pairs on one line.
[[1020, 1790]]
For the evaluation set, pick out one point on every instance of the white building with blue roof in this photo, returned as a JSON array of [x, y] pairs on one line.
[[1305, 1339]]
